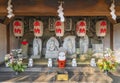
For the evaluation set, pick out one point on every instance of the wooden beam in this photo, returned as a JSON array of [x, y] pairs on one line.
[[111, 20], [49, 8], [7, 20]]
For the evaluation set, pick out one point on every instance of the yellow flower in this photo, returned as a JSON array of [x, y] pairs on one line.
[[100, 61]]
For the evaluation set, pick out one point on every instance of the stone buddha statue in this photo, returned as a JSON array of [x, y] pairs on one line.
[[52, 48]]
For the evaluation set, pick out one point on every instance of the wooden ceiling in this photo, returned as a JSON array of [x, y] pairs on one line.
[[49, 7]]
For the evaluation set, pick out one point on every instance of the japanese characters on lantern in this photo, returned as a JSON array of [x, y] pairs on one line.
[[18, 28], [59, 28], [101, 28], [38, 28], [81, 28]]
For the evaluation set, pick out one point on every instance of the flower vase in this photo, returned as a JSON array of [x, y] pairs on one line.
[[16, 73], [106, 72], [6, 64]]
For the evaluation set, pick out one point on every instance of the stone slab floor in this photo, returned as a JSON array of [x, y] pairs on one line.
[[45, 75]]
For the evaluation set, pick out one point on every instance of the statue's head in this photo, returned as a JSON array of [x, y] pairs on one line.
[[61, 56]]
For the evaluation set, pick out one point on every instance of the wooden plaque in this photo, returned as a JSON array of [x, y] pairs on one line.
[[62, 77]]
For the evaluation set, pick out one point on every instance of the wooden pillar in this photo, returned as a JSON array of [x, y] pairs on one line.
[[8, 38], [111, 36], [7, 23]]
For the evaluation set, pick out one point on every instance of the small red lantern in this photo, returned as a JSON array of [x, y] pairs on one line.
[[18, 28], [59, 28], [81, 28], [38, 28], [101, 28]]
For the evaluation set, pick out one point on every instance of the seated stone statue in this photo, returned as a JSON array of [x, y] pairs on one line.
[[52, 48]]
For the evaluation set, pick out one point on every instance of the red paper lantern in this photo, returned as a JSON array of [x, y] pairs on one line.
[[18, 28], [101, 28], [38, 28], [59, 28], [81, 28]]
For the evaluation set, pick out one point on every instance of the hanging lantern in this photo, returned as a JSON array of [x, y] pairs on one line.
[[101, 28], [38, 28], [81, 28], [59, 28], [18, 28]]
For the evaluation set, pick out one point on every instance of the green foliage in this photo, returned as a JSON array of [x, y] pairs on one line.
[[15, 62], [106, 65], [18, 67]]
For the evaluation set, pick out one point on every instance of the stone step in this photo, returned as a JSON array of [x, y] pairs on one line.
[[43, 67], [40, 69], [45, 61]]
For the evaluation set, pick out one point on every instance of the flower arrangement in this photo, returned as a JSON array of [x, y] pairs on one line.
[[17, 52], [108, 62], [15, 63], [8, 58]]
